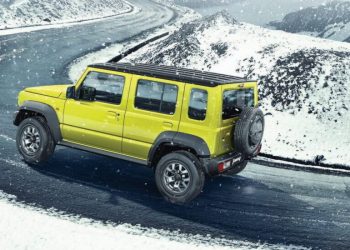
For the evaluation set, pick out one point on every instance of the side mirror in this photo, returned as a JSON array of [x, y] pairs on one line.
[[87, 93], [70, 94]]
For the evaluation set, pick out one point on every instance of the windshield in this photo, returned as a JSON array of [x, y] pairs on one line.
[[235, 100]]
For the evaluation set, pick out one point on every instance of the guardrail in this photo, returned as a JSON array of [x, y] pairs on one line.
[[137, 47]]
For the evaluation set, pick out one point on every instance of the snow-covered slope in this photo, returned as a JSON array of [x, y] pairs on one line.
[[19, 13], [304, 81], [330, 21]]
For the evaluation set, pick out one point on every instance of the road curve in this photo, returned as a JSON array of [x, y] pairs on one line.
[[261, 204]]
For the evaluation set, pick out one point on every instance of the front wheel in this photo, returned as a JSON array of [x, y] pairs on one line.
[[179, 177], [34, 140]]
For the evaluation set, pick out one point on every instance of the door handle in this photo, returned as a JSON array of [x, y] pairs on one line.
[[115, 114], [168, 124]]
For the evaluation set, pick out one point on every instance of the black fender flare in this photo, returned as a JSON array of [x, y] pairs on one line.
[[44, 109], [178, 139]]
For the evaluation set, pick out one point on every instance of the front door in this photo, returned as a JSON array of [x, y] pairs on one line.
[[98, 123]]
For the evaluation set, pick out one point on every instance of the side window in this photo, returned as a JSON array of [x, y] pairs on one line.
[[197, 109], [109, 88], [156, 96]]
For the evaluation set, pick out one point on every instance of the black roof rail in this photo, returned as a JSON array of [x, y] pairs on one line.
[[173, 73]]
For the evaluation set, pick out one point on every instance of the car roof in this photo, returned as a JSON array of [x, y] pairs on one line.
[[173, 73]]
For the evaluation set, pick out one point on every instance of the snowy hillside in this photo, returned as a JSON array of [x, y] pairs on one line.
[[19, 13], [330, 21], [304, 81]]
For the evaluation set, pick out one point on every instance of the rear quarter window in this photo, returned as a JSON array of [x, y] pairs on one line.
[[197, 109]]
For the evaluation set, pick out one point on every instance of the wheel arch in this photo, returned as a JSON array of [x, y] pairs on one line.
[[170, 141], [32, 108]]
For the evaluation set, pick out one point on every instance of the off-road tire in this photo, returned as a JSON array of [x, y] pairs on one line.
[[197, 176], [243, 141], [46, 145]]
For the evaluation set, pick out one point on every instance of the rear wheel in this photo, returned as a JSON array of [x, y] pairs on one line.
[[34, 140], [179, 177]]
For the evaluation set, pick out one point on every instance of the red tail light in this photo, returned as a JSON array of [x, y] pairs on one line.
[[221, 167]]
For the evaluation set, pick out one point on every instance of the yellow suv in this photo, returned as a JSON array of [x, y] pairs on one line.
[[183, 123]]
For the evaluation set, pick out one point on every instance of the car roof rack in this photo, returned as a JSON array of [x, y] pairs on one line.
[[173, 73]]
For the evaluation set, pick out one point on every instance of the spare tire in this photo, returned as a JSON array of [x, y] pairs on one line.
[[248, 131]]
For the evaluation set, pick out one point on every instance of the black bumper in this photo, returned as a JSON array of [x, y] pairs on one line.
[[232, 160]]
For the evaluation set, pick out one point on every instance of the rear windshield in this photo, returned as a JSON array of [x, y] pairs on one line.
[[235, 100]]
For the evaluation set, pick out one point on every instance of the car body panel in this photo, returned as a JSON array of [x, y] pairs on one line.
[[58, 91], [207, 128], [55, 103], [225, 144], [95, 123], [142, 127], [127, 131]]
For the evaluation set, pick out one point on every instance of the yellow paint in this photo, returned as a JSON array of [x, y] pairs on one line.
[[127, 130]]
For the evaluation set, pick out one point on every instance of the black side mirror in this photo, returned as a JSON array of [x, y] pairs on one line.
[[70, 94], [87, 93]]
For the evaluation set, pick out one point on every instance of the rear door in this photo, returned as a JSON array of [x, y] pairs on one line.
[[234, 98], [154, 106], [98, 123]]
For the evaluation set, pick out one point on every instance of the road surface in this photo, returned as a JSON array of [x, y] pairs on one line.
[[262, 204]]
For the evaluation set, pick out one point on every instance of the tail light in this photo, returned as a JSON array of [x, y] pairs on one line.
[[224, 165]]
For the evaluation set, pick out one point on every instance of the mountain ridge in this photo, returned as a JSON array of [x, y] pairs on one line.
[[326, 21]]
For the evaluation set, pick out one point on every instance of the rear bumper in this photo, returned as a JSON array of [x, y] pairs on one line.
[[223, 163], [226, 162]]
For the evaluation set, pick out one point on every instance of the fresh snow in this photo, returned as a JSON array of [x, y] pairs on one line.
[[28, 227], [304, 81], [14, 14]]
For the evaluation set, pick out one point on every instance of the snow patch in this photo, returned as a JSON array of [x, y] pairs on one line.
[[28, 227], [14, 163], [43, 12], [7, 138]]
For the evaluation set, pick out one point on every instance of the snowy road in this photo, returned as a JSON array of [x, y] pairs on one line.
[[262, 204]]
